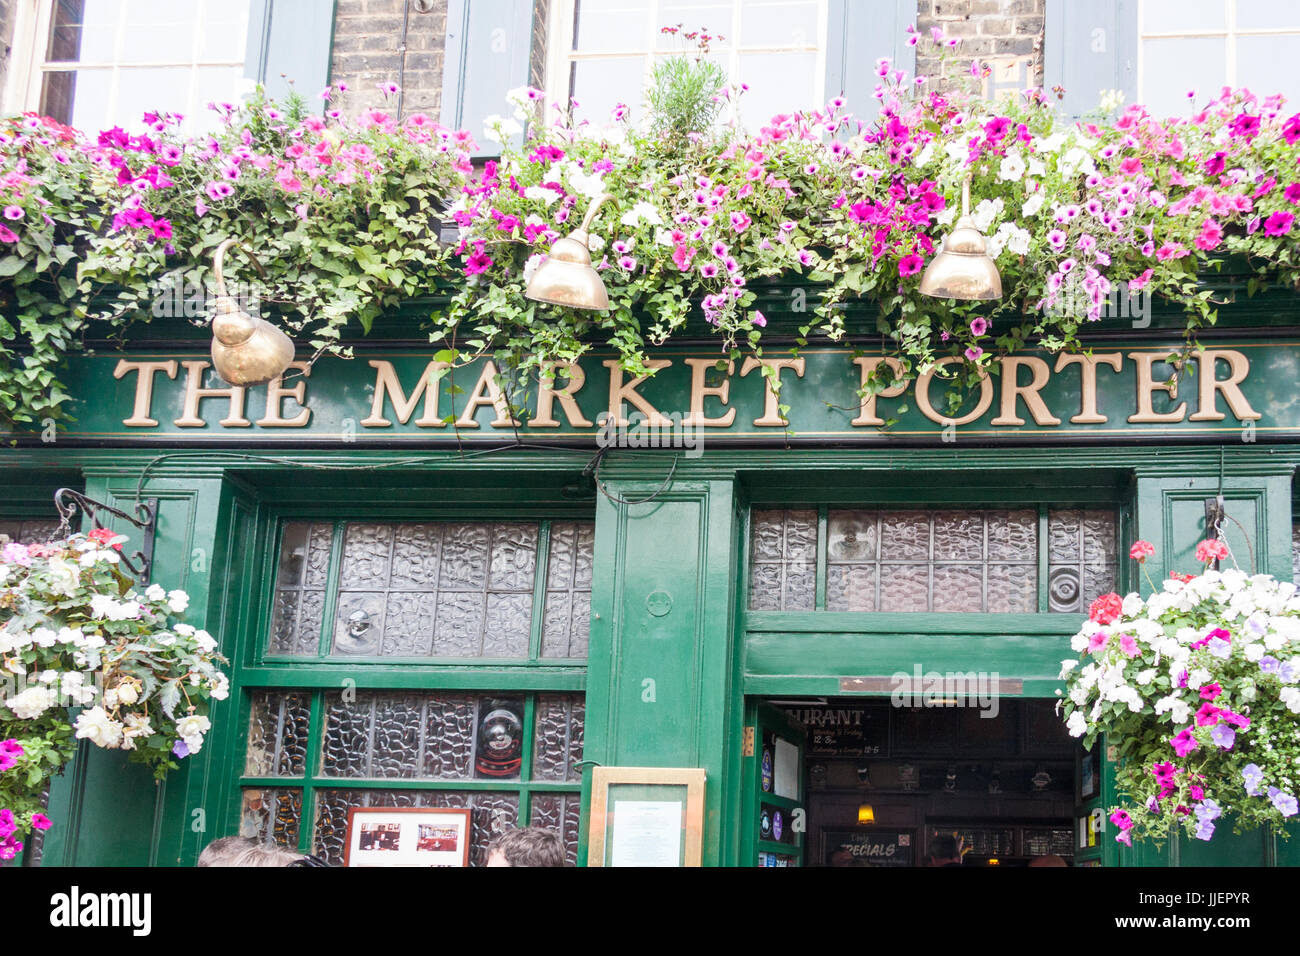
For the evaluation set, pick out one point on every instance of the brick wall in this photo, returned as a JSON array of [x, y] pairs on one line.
[[368, 50], [1005, 34]]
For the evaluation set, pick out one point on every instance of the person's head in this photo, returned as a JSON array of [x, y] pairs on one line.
[[225, 850], [1050, 860], [944, 850], [245, 851], [530, 846]]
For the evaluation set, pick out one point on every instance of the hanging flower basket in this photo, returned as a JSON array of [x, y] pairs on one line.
[[1198, 686], [83, 655]]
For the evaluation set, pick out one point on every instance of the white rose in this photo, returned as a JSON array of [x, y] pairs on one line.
[[192, 726], [186, 629], [205, 641], [128, 692], [64, 577], [31, 703], [155, 592], [101, 605], [178, 601], [96, 726], [220, 688]]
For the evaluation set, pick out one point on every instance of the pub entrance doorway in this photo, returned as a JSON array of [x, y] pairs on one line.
[[858, 782]]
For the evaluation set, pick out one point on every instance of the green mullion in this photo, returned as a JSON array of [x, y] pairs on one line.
[[381, 783], [822, 544], [539, 590], [315, 744], [1044, 547], [331, 590]]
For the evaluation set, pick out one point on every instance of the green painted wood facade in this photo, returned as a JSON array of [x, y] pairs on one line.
[[662, 689]]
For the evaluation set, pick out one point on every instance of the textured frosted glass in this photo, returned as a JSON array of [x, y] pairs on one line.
[[277, 734], [566, 618], [272, 816], [783, 575], [442, 589], [298, 607], [557, 737], [944, 560], [1081, 557], [560, 813], [29, 530]]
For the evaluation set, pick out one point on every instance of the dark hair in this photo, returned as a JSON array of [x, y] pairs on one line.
[[944, 847], [530, 846]]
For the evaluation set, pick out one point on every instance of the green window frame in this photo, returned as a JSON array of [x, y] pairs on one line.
[[540, 683]]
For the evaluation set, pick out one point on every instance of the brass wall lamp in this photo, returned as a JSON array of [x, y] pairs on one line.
[[566, 277], [963, 269], [246, 349]]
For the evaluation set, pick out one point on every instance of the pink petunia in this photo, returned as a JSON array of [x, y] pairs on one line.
[[1278, 224]]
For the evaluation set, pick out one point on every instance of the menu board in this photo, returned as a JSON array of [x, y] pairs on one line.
[[868, 846], [852, 731]]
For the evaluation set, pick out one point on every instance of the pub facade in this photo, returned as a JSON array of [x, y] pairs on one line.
[[850, 614]]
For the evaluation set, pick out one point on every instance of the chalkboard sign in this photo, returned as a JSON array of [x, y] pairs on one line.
[[852, 731], [868, 846]]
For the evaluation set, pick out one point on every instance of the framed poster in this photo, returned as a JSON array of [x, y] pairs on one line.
[[646, 816], [407, 836]]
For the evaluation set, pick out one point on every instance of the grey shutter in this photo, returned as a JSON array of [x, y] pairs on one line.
[[1087, 48], [487, 55], [858, 33], [291, 40]]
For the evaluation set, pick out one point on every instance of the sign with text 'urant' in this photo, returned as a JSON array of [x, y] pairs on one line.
[[408, 397]]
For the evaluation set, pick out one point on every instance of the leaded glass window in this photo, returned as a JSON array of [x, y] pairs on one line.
[[1295, 552], [407, 748], [939, 560], [454, 590]]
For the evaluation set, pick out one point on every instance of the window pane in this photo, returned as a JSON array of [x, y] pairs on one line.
[[600, 85], [277, 734], [1267, 14], [557, 737], [78, 99], [1267, 65], [225, 31], [1081, 557], [713, 18], [1295, 552], [602, 26], [1170, 16], [160, 89], [28, 530], [272, 816], [778, 24], [83, 31], [299, 604], [783, 561], [1172, 67], [159, 31], [778, 83], [560, 813]]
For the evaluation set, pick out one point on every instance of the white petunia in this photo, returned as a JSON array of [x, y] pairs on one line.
[[1012, 167], [1076, 724]]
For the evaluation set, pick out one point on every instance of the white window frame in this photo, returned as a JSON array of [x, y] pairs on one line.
[[28, 66], [560, 55], [1230, 33]]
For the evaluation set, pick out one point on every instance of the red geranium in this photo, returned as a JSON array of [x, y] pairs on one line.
[[1106, 608], [1211, 549], [105, 536], [1141, 550]]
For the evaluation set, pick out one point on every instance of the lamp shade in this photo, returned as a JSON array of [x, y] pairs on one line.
[[963, 269], [566, 277], [246, 349]]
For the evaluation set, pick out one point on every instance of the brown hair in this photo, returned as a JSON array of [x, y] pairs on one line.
[[530, 846]]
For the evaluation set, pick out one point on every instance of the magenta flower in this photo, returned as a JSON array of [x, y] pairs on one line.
[[14, 212], [740, 222], [910, 264], [978, 326], [1128, 645], [7, 234], [709, 270], [41, 822], [1278, 224], [1056, 238], [1184, 743], [974, 352], [627, 262], [758, 319]]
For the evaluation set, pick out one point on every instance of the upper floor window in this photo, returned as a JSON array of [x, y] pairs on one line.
[[606, 50], [1202, 45], [95, 64]]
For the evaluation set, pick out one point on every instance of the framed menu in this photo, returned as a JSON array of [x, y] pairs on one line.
[[646, 816], [407, 836]]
